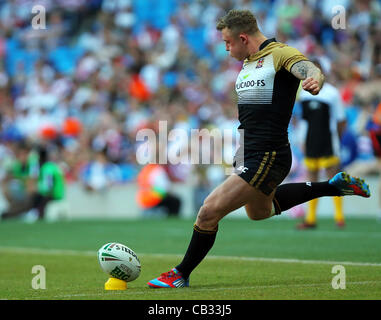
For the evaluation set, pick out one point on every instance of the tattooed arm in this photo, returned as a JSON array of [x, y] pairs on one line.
[[311, 75]]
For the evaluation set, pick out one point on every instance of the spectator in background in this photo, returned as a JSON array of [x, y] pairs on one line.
[[133, 60], [49, 186], [100, 174], [20, 177], [154, 191]]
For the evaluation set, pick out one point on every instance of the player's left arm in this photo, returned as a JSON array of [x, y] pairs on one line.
[[313, 78]]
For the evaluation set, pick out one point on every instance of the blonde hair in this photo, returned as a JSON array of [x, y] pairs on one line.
[[238, 21]]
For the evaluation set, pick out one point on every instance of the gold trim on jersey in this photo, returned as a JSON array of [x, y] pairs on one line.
[[283, 55]]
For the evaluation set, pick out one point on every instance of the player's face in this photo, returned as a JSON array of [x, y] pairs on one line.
[[235, 45]]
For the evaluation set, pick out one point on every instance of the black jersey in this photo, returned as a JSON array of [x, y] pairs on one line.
[[266, 95], [322, 113]]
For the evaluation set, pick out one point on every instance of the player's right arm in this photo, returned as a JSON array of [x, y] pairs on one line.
[[312, 76], [296, 63]]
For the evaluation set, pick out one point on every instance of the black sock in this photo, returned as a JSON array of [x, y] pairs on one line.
[[291, 194], [202, 241]]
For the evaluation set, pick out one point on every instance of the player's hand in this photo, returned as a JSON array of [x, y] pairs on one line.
[[311, 85]]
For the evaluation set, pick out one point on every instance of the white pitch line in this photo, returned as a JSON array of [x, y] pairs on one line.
[[23, 250]]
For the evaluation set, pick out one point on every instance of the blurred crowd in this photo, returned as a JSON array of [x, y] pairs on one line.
[[102, 70]]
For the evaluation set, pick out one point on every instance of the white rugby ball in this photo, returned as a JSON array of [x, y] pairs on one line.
[[119, 261]]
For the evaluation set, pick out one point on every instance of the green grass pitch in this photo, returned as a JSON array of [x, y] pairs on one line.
[[267, 260]]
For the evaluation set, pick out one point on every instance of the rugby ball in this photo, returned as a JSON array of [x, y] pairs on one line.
[[119, 261]]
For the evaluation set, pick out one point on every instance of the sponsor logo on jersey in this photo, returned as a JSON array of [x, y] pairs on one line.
[[260, 63], [250, 83]]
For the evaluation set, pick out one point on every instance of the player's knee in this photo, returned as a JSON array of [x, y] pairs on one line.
[[207, 217]]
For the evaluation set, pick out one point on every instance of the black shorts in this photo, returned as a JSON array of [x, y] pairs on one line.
[[264, 170]]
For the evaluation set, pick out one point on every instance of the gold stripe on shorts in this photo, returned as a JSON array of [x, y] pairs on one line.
[[260, 169], [273, 155]]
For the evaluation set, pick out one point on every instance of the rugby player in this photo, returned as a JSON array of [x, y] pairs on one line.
[[325, 117], [266, 88]]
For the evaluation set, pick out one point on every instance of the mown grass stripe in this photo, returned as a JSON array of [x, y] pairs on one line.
[[23, 250]]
